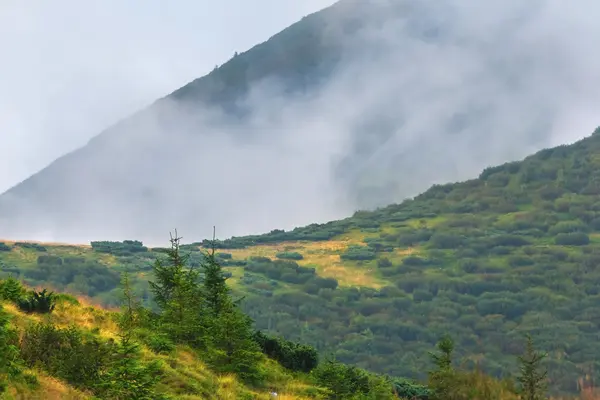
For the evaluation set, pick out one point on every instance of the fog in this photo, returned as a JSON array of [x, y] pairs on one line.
[[71, 68], [426, 92]]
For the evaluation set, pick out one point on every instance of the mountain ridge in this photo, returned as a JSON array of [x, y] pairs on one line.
[[324, 118]]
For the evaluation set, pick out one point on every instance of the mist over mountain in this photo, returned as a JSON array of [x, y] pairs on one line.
[[357, 106]]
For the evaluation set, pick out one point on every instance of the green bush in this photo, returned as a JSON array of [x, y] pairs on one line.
[[11, 290], [5, 247], [572, 239], [358, 253], [290, 255], [39, 302], [291, 355], [66, 353]]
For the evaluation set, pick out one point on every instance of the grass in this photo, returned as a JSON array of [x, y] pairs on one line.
[[186, 376]]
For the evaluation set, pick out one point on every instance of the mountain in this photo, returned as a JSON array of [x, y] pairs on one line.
[[515, 250], [356, 106]]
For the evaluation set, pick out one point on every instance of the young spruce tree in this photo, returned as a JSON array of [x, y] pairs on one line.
[[532, 379], [127, 378], [443, 377], [177, 293], [229, 329]]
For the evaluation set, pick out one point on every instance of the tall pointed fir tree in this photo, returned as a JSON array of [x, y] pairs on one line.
[[532, 378], [229, 329], [177, 293]]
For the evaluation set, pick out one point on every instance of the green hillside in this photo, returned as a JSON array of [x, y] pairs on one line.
[[515, 250]]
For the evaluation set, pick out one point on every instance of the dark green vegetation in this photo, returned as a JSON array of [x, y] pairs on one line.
[[514, 251], [198, 312]]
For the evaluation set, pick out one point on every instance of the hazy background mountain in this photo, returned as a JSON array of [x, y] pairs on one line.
[[359, 105]]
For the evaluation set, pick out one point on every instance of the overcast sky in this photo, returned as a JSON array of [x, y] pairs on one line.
[[71, 68]]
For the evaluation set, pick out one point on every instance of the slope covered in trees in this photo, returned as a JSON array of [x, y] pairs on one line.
[[197, 344], [514, 251]]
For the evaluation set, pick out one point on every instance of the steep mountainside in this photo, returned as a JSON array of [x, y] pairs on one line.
[[359, 105], [514, 251]]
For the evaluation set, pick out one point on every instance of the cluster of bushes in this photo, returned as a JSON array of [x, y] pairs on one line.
[[42, 302], [5, 247], [358, 253], [75, 273], [124, 248], [291, 355], [31, 246]]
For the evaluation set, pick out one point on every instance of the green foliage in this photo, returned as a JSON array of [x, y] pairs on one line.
[[77, 274], [11, 289], [442, 379], [31, 246], [126, 377], [68, 354], [532, 378], [126, 247], [293, 356], [5, 247], [10, 359], [406, 389], [352, 383], [289, 255], [178, 296], [358, 253], [229, 330], [38, 302]]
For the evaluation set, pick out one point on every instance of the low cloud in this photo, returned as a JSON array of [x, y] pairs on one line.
[[426, 92]]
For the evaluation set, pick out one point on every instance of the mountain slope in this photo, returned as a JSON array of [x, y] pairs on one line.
[[515, 250], [356, 106]]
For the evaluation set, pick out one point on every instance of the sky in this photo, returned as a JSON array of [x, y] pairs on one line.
[[72, 68]]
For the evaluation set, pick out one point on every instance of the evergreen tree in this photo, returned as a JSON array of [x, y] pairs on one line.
[[127, 378], [443, 377], [532, 379], [229, 329], [177, 293]]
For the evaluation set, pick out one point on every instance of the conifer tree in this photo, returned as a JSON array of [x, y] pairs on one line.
[[442, 378], [229, 329], [127, 378], [177, 293], [532, 378]]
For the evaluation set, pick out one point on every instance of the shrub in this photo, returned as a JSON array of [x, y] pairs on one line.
[[32, 246], [572, 239], [5, 247], [349, 382], [39, 302], [66, 353], [11, 290], [290, 255], [358, 253], [291, 355]]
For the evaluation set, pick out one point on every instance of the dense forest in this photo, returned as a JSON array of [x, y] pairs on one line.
[[512, 252], [196, 315]]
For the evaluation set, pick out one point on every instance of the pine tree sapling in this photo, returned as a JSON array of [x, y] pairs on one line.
[[177, 293], [442, 377], [11, 290], [532, 377]]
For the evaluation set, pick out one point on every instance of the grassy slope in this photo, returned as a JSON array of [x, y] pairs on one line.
[[186, 377], [485, 260]]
